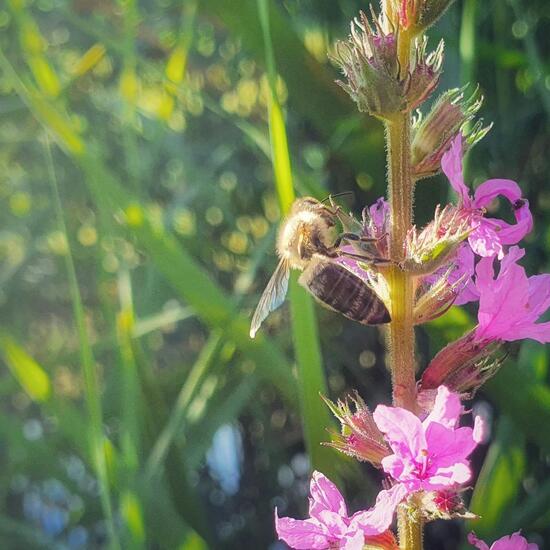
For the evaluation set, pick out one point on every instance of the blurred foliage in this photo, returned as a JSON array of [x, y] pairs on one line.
[[156, 116]]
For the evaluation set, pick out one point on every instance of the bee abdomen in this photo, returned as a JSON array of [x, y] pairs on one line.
[[339, 289]]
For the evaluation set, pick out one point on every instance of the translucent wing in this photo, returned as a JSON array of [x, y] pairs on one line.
[[273, 296]]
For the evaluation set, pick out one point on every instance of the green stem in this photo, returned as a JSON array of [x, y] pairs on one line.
[[401, 331], [401, 337], [410, 531]]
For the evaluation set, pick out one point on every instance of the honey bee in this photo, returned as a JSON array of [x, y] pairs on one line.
[[306, 241]]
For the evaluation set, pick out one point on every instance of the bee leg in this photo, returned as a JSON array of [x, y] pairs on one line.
[[352, 237], [367, 259]]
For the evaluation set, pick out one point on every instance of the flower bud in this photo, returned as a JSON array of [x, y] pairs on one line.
[[416, 15], [435, 298], [425, 74], [464, 365], [360, 438], [433, 136], [428, 250], [368, 60]]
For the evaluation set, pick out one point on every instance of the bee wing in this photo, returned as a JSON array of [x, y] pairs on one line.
[[272, 297]]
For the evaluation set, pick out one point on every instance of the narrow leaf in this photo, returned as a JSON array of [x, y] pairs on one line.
[[304, 322], [32, 377]]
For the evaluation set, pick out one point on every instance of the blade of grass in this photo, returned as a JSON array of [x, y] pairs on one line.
[[130, 397], [311, 375], [130, 505], [30, 375], [467, 49], [177, 417], [91, 383]]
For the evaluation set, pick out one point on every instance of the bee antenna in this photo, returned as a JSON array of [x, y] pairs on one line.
[[342, 194]]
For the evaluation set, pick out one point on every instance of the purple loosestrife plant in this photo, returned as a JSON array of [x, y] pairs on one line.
[[420, 443]]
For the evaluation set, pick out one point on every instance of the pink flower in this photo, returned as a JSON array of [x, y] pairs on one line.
[[511, 304], [431, 454], [329, 525], [513, 542], [489, 234]]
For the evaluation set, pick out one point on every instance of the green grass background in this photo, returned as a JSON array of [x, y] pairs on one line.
[[147, 151]]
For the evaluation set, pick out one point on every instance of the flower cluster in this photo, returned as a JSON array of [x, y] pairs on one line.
[[425, 459]]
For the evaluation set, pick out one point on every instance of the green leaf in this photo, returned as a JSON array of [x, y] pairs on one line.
[[176, 421], [311, 376], [32, 377]]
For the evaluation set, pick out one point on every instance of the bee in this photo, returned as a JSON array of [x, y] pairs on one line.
[[306, 241]]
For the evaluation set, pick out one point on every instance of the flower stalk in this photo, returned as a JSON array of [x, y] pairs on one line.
[[410, 530], [401, 331]]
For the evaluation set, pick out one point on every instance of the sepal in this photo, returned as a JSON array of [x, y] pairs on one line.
[[360, 438], [432, 136]]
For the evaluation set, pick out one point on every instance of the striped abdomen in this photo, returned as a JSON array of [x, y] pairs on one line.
[[339, 289]]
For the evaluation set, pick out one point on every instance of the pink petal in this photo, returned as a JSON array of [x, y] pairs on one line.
[[335, 524], [302, 534], [472, 539], [446, 410], [325, 496], [484, 240], [513, 233], [447, 446], [379, 518], [356, 541], [394, 466], [403, 430], [536, 331], [513, 542], [491, 189], [451, 164], [379, 214], [539, 294], [515, 254], [467, 294], [502, 302], [457, 474]]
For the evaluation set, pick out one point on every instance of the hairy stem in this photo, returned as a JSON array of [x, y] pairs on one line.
[[401, 333], [410, 531], [401, 338]]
